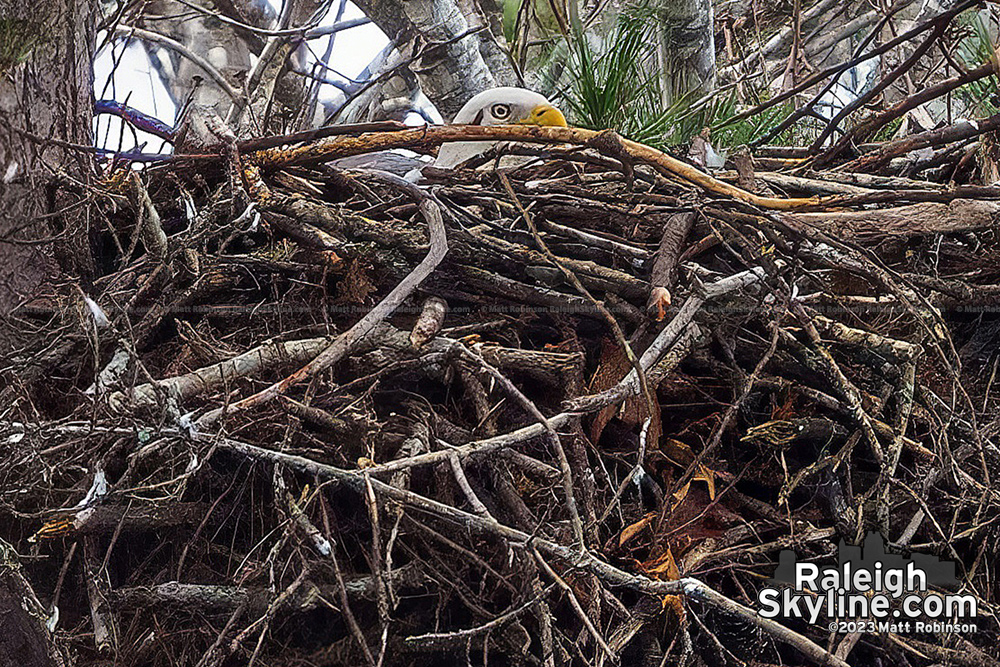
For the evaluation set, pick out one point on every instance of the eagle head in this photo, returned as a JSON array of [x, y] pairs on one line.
[[509, 106], [498, 106]]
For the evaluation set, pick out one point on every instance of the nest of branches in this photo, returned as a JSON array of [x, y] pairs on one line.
[[566, 413]]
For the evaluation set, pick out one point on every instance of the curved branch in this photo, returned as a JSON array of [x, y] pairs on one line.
[[344, 343], [430, 136]]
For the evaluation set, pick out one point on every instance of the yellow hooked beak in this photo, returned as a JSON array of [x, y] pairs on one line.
[[545, 115]]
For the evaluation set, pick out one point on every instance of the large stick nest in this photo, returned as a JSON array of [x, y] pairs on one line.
[[281, 446]]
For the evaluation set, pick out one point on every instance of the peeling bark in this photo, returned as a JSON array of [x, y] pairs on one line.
[[686, 49], [24, 640], [46, 103], [450, 67]]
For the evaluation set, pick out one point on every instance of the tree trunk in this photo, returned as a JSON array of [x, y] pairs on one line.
[[686, 49], [46, 110], [222, 45], [24, 639], [454, 71], [277, 97]]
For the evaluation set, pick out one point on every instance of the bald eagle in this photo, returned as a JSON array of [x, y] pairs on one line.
[[496, 106]]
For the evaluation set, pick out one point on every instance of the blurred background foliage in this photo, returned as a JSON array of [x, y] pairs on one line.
[[606, 74]]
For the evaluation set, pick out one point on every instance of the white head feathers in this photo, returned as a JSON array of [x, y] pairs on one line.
[[497, 106]]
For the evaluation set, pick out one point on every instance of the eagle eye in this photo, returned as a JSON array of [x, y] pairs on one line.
[[500, 111]]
